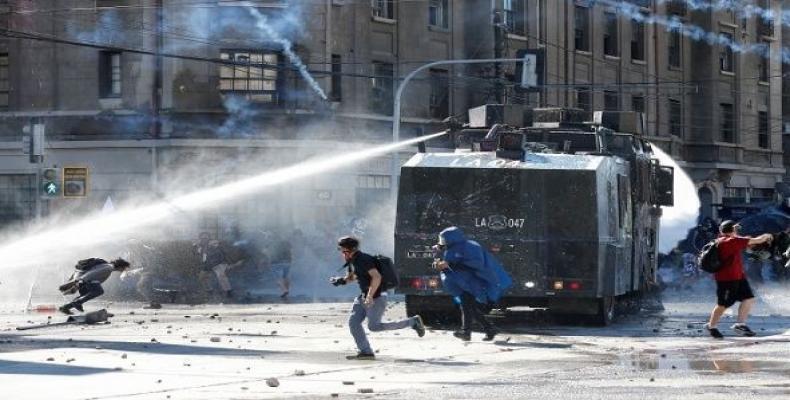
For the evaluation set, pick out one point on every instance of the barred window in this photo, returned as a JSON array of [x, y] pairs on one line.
[[727, 119], [4, 86], [611, 36], [252, 75], [438, 13], [109, 74], [515, 17], [383, 9]]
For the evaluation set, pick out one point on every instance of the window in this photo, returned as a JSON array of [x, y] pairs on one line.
[[582, 29], [109, 74], [438, 12], [373, 181], [381, 88], [725, 54], [727, 118], [611, 100], [765, 21], [383, 9], [765, 61], [337, 76], [610, 36], [583, 99], [4, 87], [637, 40], [674, 47], [763, 136], [675, 118], [439, 100], [251, 75], [638, 103], [515, 17]]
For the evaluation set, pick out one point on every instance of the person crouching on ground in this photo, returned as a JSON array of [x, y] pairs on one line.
[[731, 283], [372, 303], [87, 279], [472, 275]]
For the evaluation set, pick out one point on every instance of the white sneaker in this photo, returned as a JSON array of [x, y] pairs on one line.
[[742, 329]]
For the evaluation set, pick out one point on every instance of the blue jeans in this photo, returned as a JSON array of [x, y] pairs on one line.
[[373, 313]]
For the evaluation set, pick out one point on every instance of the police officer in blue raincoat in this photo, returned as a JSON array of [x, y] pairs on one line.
[[473, 276]]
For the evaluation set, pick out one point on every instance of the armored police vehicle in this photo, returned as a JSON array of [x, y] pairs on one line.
[[570, 207]]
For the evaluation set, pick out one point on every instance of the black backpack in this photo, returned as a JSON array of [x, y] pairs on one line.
[[389, 277], [88, 263], [709, 260]]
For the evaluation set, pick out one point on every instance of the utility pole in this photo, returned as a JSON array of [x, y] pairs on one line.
[[158, 73], [37, 157], [499, 39]]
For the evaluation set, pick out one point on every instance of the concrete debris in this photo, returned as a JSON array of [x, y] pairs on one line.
[[272, 382], [299, 372], [123, 356]]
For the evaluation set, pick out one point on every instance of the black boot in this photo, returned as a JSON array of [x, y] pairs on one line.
[[463, 335], [490, 333]]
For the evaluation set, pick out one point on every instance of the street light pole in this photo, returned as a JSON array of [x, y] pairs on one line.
[[395, 162]]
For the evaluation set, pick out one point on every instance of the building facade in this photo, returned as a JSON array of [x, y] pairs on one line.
[[134, 90]]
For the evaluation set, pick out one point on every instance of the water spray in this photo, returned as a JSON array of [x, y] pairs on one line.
[[86, 233], [678, 219]]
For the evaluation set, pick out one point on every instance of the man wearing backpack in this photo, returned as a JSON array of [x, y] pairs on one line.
[[731, 283], [372, 303], [87, 279]]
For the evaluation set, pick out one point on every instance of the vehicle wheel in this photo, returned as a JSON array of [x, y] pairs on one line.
[[628, 305], [606, 311]]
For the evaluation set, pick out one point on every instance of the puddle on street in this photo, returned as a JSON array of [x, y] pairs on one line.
[[701, 363]]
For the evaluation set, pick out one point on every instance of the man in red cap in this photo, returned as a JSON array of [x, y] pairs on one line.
[[731, 283]]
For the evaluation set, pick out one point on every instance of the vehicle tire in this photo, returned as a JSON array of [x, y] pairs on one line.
[[628, 305], [434, 310], [606, 311]]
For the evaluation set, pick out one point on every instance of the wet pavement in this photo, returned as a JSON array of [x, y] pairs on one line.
[[298, 350]]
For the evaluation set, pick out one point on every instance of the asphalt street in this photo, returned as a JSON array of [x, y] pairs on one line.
[[297, 350]]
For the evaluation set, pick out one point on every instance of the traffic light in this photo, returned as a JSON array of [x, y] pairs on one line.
[[50, 183]]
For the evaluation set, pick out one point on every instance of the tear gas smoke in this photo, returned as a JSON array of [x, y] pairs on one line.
[[262, 22], [99, 228], [678, 219], [697, 33]]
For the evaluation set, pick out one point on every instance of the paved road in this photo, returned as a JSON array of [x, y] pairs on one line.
[[228, 352]]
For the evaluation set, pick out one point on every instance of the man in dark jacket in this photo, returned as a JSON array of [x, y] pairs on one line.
[[87, 279], [472, 275], [372, 303]]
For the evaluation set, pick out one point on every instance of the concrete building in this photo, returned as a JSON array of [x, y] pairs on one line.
[[134, 90]]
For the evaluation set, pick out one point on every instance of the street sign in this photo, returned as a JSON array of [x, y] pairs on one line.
[[75, 181], [530, 72]]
